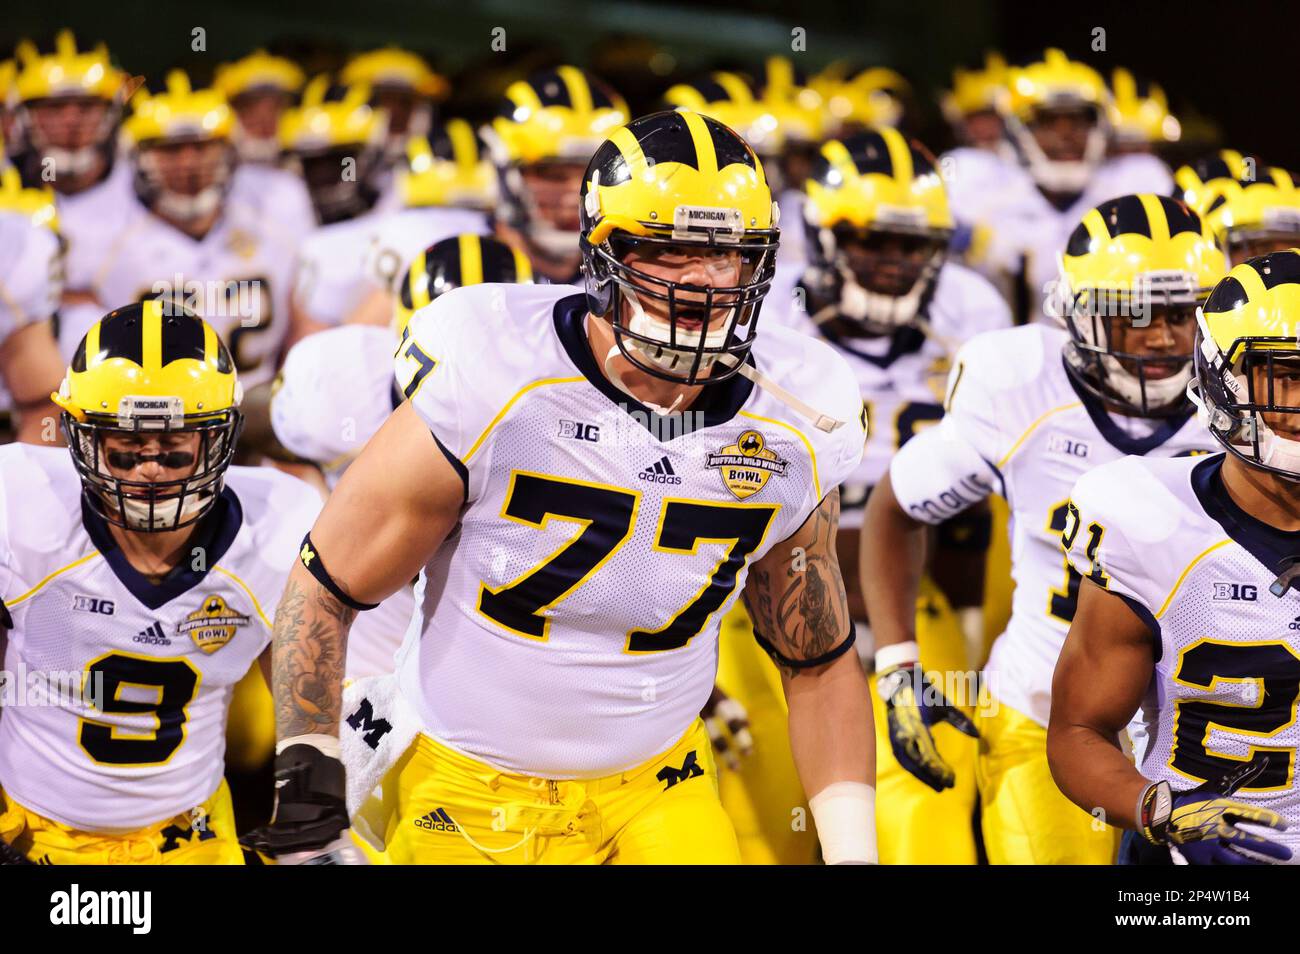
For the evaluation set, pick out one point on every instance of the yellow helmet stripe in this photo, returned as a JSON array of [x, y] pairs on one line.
[[419, 290], [1096, 226], [900, 156], [151, 330], [524, 95], [1156, 219], [1251, 281], [463, 149], [705, 155], [92, 343], [523, 267], [735, 87], [627, 144], [210, 345], [579, 91], [838, 155], [471, 260]]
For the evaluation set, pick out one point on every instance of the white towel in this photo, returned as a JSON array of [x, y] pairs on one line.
[[378, 726]]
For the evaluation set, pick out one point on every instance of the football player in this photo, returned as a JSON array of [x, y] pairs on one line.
[[67, 106], [190, 238], [546, 129], [316, 420], [1257, 216], [1028, 410], [547, 701], [260, 88], [336, 140], [31, 277], [881, 291], [137, 581], [1016, 221], [1186, 619], [402, 87]]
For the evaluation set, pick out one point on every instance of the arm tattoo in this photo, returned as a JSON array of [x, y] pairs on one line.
[[308, 650], [801, 606]]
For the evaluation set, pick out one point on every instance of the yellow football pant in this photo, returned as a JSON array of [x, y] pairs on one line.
[[205, 835], [443, 807], [764, 797], [250, 726], [914, 823], [1026, 819]]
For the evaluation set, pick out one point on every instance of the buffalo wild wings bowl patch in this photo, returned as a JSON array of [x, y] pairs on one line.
[[747, 465], [212, 625]]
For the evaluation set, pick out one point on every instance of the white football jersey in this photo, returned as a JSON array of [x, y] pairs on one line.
[[31, 273], [279, 196], [1019, 234], [329, 275], [568, 628], [1165, 536], [318, 420], [1018, 425], [91, 220], [902, 376], [158, 661], [400, 236], [237, 277]]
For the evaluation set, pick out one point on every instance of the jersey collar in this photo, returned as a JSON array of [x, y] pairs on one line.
[[215, 533], [1267, 544], [717, 404], [1115, 435]]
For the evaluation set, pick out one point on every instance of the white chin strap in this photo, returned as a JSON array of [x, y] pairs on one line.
[[1159, 393], [1066, 176], [552, 242], [164, 512], [189, 208], [72, 162], [257, 150], [662, 356]]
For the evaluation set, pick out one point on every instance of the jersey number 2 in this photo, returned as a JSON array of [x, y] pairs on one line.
[[606, 516]]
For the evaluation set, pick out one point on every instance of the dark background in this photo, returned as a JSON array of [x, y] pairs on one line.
[[1228, 69]]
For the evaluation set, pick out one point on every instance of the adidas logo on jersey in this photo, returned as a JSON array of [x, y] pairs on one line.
[[437, 820], [1294, 624], [153, 636], [660, 472]]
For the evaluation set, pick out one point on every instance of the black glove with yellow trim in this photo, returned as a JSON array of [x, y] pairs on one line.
[[1202, 823], [914, 704]]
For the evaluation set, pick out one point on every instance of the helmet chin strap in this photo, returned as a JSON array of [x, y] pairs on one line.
[[611, 371], [73, 162], [188, 208], [1274, 451], [1066, 176], [251, 149]]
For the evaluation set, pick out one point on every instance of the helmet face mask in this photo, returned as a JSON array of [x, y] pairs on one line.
[[677, 329], [1109, 364], [150, 410], [548, 194], [334, 196], [184, 180], [76, 132], [103, 450], [1251, 400], [880, 277]]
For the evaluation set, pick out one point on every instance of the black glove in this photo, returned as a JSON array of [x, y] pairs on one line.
[[911, 719], [311, 813], [1202, 823]]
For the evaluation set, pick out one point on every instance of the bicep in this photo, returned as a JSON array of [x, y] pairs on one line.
[[393, 507], [1108, 646]]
